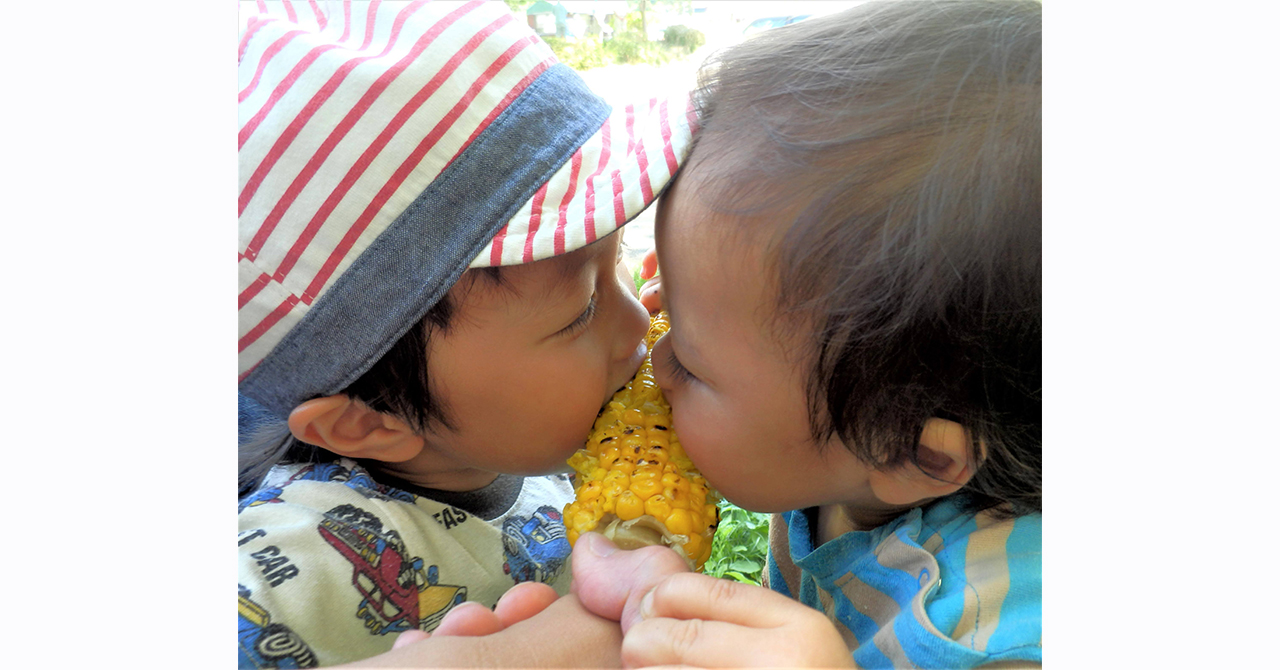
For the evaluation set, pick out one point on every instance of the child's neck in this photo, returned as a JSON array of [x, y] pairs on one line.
[[450, 480], [836, 520]]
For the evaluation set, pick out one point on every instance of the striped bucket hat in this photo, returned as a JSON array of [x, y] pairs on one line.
[[387, 147]]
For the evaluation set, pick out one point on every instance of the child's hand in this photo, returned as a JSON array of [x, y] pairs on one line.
[[651, 292], [562, 634], [473, 619], [697, 620], [671, 616], [610, 582]]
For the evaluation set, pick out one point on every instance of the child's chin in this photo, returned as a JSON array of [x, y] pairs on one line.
[[552, 467]]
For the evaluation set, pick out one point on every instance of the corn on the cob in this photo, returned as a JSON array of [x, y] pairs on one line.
[[635, 484]]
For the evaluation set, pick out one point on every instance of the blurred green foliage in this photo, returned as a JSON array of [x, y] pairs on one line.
[[683, 37], [627, 46], [628, 43], [580, 54], [631, 47], [739, 548]]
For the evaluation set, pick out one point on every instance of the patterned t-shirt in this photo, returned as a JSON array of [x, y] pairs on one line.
[[935, 588], [333, 565]]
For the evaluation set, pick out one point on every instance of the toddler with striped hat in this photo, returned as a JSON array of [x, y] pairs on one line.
[[431, 311]]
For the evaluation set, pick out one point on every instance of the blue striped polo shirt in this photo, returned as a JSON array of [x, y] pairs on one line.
[[937, 587]]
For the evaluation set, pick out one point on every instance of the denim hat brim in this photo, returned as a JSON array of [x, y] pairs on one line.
[[386, 150]]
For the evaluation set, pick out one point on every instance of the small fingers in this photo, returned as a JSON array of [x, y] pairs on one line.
[[693, 596], [409, 637], [694, 642], [469, 619], [649, 264], [692, 619], [523, 601]]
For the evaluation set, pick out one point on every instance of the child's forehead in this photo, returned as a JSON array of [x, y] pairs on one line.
[[536, 284], [714, 257]]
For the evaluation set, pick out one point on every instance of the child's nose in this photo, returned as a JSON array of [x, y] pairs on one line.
[[633, 325]]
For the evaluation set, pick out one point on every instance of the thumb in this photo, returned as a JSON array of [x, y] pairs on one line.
[[610, 582]]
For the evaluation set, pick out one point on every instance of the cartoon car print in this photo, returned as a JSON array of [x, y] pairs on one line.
[[264, 644], [358, 480], [260, 497], [536, 547], [398, 594]]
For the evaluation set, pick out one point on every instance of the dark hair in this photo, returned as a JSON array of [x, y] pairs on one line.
[[913, 131], [397, 384]]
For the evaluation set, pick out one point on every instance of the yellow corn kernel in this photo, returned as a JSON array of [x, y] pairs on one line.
[[646, 488], [658, 507], [628, 506], [632, 473], [590, 491], [679, 499], [656, 454], [679, 522], [694, 546], [648, 472]]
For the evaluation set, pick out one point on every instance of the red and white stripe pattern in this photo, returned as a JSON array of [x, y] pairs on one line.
[[607, 182], [349, 110]]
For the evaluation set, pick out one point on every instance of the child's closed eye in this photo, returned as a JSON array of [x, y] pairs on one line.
[[579, 324], [679, 373]]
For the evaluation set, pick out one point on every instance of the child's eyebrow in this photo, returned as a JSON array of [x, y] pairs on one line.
[[566, 280]]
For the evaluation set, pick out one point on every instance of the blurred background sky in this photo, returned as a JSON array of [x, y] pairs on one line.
[[721, 22]]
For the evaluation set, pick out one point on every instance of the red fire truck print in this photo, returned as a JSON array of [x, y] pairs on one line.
[[398, 594]]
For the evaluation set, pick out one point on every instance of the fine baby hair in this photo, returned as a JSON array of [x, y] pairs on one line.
[[912, 132], [388, 152]]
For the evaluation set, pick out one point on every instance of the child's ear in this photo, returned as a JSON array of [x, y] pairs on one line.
[[944, 467], [349, 428]]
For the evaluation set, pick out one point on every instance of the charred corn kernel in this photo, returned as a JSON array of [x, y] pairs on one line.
[[679, 499], [635, 483], [659, 508], [624, 465], [590, 492], [646, 488], [656, 454]]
